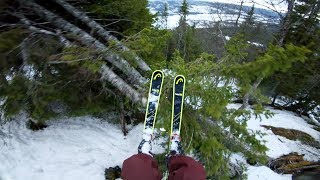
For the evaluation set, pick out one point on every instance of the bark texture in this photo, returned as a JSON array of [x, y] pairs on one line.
[[120, 84], [85, 38], [107, 74], [101, 31], [246, 97], [286, 24]]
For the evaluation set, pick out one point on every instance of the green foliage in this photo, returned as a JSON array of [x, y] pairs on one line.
[[236, 50], [126, 17], [301, 83], [184, 38], [210, 131], [69, 79], [9, 48], [275, 59], [151, 45], [184, 11]]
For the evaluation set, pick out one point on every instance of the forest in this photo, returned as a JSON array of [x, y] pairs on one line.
[[71, 58]]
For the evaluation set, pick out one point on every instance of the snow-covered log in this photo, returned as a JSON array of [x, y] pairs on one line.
[[101, 31], [85, 38]]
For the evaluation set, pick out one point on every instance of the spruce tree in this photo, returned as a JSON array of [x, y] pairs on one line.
[[301, 83], [184, 39]]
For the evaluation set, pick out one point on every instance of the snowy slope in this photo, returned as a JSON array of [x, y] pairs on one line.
[[277, 5], [74, 148], [278, 145], [81, 148]]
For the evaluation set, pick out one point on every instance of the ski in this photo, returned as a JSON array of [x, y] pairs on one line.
[[177, 108], [153, 101], [177, 105]]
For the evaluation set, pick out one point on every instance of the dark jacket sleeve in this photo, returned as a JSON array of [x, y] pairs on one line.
[[140, 167], [185, 168]]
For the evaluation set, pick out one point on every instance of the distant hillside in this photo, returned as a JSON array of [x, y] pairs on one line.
[[204, 12]]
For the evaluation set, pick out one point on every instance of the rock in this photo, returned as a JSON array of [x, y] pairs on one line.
[[112, 173], [35, 126]]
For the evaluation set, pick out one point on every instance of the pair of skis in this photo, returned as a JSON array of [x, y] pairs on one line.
[[153, 102]]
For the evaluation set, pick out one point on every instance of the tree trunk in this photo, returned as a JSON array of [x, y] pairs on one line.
[[286, 23], [133, 75], [101, 31], [283, 33], [121, 85], [239, 14], [62, 39], [246, 97], [122, 117], [106, 73], [274, 99]]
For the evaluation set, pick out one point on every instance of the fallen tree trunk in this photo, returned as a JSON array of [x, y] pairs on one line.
[[120, 84], [106, 73], [101, 31], [32, 28], [85, 38]]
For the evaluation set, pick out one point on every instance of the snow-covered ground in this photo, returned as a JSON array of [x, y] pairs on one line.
[[81, 148], [72, 148], [276, 5], [279, 145], [202, 13]]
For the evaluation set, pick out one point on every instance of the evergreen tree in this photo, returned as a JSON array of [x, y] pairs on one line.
[[124, 17], [301, 83], [184, 38], [205, 119], [165, 15]]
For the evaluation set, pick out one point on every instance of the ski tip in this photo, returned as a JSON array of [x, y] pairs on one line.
[[179, 79], [157, 74]]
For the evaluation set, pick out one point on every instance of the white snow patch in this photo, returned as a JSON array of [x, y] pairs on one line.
[[276, 5], [279, 145], [257, 172], [265, 173], [29, 71], [256, 44], [82, 147], [153, 98], [71, 148]]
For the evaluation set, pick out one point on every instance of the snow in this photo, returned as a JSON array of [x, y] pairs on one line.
[[276, 5], [265, 173], [29, 71], [82, 147], [70, 148], [258, 172], [202, 13], [279, 145]]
